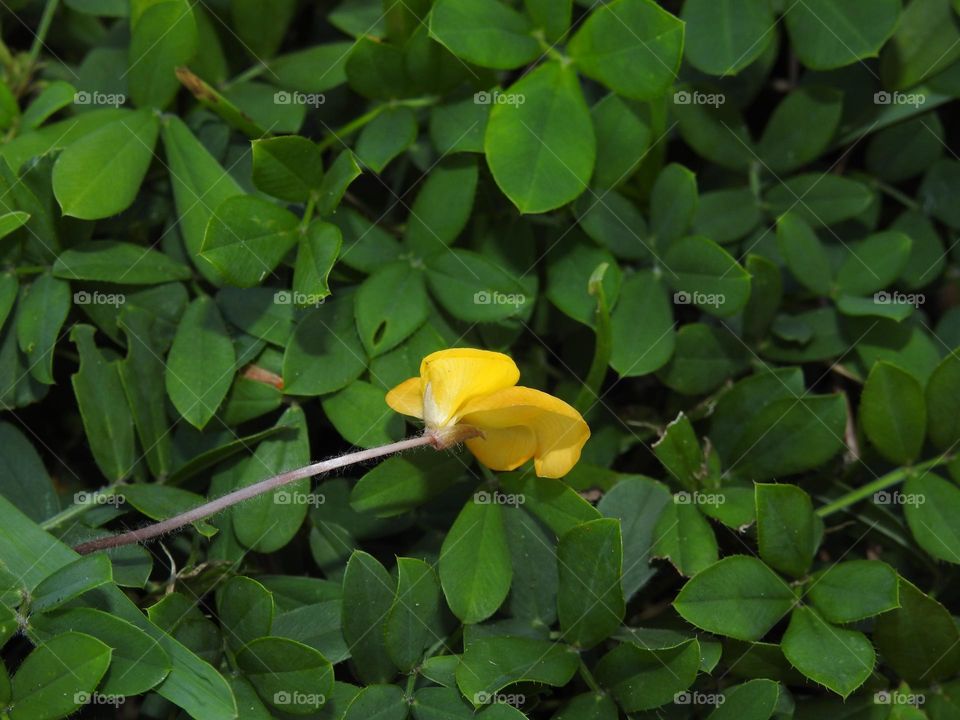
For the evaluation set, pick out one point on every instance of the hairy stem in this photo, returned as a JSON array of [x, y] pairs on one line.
[[237, 496]]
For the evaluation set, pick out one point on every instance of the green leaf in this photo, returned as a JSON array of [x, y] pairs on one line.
[[590, 602], [471, 288], [622, 141], [378, 702], [400, 484], [703, 358], [839, 659], [723, 36], [726, 215], [324, 354], [642, 326], [641, 679], [43, 308], [103, 407], [556, 505], [245, 608], [919, 640], [854, 590], [315, 69], [569, 275], [288, 167], [679, 451], [874, 263], [71, 581], [800, 128], [415, 621], [459, 126], [683, 535], [738, 597], [931, 506], [486, 32], [923, 44], [118, 262], [288, 675], [247, 238], [23, 478], [805, 255], [637, 502], [58, 677], [200, 185], [715, 130], [442, 206], [706, 275], [893, 413], [360, 415], [163, 37], [788, 531], [440, 703], [634, 47], [820, 200], [12, 221], [943, 403], [99, 174], [475, 569], [269, 521], [541, 151], [382, 321], [388, 135], [490, 664], [533, 556], [137, 662], [316, 256], [673, 204], [588, 706], [791, 436], [753, 700], [342, 172], [829, 35], [368, 596], [201, 363]]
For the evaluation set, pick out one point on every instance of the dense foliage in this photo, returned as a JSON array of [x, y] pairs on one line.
[[725, 232]]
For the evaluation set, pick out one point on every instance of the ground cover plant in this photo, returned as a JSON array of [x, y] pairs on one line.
[[663, 295]]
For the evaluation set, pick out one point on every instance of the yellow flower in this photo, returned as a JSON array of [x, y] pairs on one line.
[[473, 394]]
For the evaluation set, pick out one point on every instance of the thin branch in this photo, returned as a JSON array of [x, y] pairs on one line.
[[447, 438]]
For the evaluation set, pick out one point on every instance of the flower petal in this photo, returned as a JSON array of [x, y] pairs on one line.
[[454, 377], [520, 422], [407, 398]]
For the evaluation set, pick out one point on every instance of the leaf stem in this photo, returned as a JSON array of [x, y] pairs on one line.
[[40, 37], [590, 391], [237, 496], [897, 195], [94, 499], [351, 127], [889, 480], [589, 679]]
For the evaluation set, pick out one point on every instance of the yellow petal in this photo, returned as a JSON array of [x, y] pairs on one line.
[[519, 423], [452, 378], [407, 398]]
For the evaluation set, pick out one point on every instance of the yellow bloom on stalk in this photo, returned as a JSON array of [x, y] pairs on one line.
[[473, 394]]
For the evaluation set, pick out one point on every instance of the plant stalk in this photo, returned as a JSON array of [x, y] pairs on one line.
[[237, 496]]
